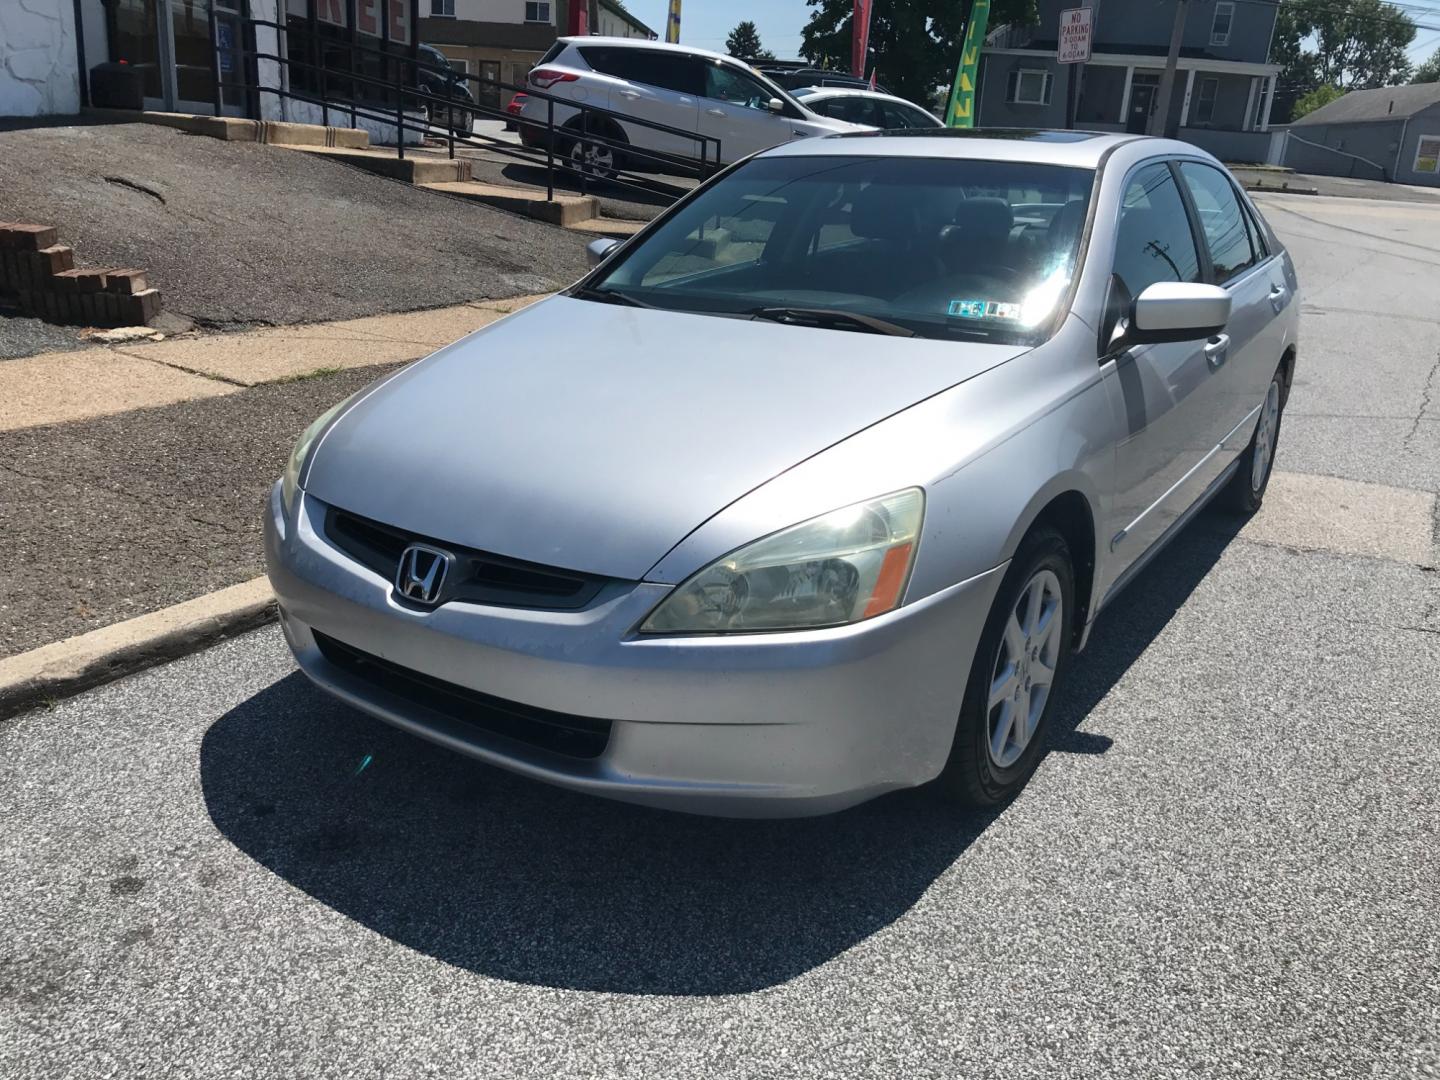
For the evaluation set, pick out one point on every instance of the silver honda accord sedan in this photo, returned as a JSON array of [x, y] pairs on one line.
[[809, 491]]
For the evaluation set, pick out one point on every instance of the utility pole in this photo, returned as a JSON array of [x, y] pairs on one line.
[[1160, 122]]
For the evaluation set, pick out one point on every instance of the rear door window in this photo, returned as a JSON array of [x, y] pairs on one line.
[[903, 116], [663, 70], [1227, 232]]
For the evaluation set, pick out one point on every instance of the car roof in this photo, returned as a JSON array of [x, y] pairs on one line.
[[1082, 149], [658, 46]]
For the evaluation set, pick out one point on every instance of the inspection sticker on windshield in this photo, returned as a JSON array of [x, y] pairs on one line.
[[983, 309]]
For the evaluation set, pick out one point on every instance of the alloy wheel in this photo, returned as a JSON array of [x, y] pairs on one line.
[[1024, 670], [1265, 438], [594, 159]]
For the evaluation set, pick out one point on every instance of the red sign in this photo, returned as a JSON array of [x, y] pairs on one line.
[[368, 15], [860, 39]]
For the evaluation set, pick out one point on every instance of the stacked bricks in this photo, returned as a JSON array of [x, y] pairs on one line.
[[40, 273]]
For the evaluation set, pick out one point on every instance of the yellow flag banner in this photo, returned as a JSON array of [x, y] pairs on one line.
[[672, 23], [961, 111]]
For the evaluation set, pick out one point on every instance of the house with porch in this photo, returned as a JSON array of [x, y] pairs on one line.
[[1223, 90]]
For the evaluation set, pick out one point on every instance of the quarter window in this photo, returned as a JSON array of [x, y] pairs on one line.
[[1028, 86], [1154, 242], [1221, 219], [535, 12], [1220, 27]]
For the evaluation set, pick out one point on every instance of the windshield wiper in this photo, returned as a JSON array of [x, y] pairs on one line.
[[832, 319], [610, 296]]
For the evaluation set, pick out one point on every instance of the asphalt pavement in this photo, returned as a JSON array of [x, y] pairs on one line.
[[1227, 866], [288, 237]]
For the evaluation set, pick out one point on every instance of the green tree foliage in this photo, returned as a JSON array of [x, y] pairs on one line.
[[914, 44], [1354, 45], [744, 43], [1315, 99], [1429, 71]]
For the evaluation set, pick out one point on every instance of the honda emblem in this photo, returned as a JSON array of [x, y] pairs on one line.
[[421, 576]]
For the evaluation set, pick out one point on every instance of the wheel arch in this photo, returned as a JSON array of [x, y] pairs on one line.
[[1068, 506]]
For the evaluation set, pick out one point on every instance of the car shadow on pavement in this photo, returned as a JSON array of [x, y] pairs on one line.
[[517, 880]]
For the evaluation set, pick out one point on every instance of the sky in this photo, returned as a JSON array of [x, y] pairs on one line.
[[706, 22]]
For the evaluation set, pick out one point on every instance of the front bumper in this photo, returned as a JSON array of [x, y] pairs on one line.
[[759, 725]]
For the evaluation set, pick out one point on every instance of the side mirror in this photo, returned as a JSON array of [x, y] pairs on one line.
[[775, 105], [1173, 311], [597, 251]]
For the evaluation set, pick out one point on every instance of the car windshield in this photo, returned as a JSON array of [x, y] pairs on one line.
[[942, 248]]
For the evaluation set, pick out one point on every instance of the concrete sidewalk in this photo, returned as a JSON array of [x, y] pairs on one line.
[[57, 388]]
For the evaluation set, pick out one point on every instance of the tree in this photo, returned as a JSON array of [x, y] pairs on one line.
[[1355, 45], [744, 43], [1429, 71], [914, 44], [1315, 99]]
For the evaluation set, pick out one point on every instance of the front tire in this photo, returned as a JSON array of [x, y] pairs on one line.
[[1246, 490], [1016, 676]]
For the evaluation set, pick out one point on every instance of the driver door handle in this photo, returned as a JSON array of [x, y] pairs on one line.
[[1217, 349], [716, 112], [1277, 297], [631, 94]]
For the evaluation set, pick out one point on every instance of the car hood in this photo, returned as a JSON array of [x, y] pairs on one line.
[[595, 437]]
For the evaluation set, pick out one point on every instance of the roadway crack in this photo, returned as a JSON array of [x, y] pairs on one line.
[[116, 489], [1425, 400], [136, 186]]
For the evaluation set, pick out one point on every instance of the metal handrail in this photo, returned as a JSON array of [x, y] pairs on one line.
[[409, 90], [403, 123]]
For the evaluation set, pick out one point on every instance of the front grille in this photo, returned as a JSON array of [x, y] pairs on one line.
[[552, 732], [481, 577]]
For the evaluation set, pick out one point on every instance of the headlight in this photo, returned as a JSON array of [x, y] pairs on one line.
[[839, 568], [291, 481]]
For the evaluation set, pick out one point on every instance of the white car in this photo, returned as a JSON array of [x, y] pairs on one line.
[[866, 108], [687, 92]]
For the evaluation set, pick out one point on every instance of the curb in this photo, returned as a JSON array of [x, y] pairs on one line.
[[87, 660]]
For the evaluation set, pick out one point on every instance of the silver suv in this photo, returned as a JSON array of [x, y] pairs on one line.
[[682, 89]]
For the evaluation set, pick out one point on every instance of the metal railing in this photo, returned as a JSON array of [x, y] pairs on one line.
[[564, 143]]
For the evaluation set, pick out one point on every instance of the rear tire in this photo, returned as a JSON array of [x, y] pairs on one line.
[[1018, 672], [1246, 489], [595, 159]]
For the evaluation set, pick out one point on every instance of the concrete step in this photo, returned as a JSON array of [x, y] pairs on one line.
[[619, 228], [567, 210], [238, 129], [420, 171]]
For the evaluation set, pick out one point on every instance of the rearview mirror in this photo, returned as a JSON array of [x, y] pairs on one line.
[[597, 251], [775, 105], [1174, 311]]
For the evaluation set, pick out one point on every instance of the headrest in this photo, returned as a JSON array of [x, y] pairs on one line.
[[987, 218], [881, 212]]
